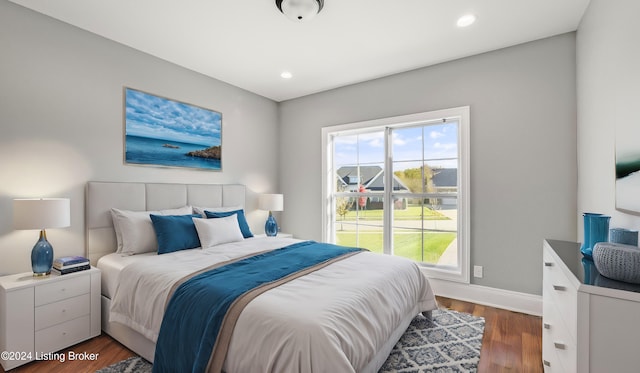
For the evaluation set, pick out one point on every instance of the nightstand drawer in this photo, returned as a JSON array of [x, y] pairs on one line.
[[59, 312], [59, 290], [47, 314], [62, 335]]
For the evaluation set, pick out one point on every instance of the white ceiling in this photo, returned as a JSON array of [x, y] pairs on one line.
[[248, 43]]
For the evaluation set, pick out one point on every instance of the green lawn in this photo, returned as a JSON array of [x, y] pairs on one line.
[[410, 213], [406, 244]]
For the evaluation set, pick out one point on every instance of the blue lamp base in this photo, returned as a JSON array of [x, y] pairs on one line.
[[42, 256], [271, 226]]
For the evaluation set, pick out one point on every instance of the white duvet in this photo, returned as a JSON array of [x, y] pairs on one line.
[[333, 320]]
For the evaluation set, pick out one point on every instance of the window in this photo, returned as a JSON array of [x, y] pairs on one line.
[[400, 186]]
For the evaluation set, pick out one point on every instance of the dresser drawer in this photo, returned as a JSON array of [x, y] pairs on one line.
[[59, 312], [62, 335], [550, 362], [59, 290], [559, 341], [559, 352], [557, 288]]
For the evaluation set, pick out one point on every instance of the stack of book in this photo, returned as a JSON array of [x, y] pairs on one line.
[[70, 264]]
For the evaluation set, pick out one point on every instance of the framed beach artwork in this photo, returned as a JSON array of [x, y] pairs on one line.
[[169, 133], [628, 168]]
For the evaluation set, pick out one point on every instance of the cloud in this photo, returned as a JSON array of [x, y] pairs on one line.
[[446, 146], [398, 140], [152, 116], [436, 134]]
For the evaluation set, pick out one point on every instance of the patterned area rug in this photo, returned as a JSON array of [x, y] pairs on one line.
[[134, 364], [450, 343]]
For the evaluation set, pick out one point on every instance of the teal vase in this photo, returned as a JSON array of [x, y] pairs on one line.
[[596, 229]]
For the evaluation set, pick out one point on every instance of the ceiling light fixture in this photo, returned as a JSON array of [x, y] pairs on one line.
[[466, 20], [286, 75], [300, 10]]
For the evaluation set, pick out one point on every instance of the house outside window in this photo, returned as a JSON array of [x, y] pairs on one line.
[[400, 186]]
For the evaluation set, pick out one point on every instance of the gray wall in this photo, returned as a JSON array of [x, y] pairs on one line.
[[61, 124], [523, 148], [608, 70]]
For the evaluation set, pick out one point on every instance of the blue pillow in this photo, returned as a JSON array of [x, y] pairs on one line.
[[175, 232], [242, 221]]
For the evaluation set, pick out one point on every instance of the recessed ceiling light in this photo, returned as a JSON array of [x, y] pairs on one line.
[[466, 20], [286, 75]]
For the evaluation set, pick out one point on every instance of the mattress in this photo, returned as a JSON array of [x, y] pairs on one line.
[[111, 265]]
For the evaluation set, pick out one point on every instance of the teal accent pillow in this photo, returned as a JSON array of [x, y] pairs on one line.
[[175, 232], [242, 220]]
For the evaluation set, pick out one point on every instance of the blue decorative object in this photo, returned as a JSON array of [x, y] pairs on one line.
[[271, 202], [623, 236], [596, 229], [586, 248], [271, 226], [42, 256]]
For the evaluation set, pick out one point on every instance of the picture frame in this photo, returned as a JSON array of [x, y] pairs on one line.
[[627, 168], [163, 132]]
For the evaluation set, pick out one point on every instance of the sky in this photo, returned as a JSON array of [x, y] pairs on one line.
[[160, 118], [435, 143]]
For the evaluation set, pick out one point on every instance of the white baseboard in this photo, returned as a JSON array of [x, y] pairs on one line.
[[493, 297]]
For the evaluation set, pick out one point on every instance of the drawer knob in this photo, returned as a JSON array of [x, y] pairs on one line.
[[560, 346], [548, 264], [546, 363], [559, 287], [547, 326]]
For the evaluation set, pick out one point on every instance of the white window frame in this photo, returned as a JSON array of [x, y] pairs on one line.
[[462, 114]]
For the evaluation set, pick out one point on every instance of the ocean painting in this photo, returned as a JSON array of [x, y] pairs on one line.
[[628, 168], [164, 132]]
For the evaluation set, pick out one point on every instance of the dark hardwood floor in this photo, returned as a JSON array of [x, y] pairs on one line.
[[512, 342]]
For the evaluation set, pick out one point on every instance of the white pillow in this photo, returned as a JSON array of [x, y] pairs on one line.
[[134, 230], [200, 210], [214, 232]]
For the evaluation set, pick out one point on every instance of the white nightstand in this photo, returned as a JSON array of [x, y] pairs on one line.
[[39, 316]]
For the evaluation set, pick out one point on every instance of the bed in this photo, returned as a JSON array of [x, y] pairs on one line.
[[345, 316]]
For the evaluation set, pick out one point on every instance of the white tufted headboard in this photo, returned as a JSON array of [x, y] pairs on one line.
[[102, 196]]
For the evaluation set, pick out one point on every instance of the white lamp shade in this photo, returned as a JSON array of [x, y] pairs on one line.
[[271, 202], [41, 213]]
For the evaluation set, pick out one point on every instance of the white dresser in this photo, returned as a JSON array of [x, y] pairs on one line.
[[590, 323], [39, 316]]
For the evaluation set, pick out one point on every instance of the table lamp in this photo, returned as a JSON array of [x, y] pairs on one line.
[[271, 202], [41, 214]]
